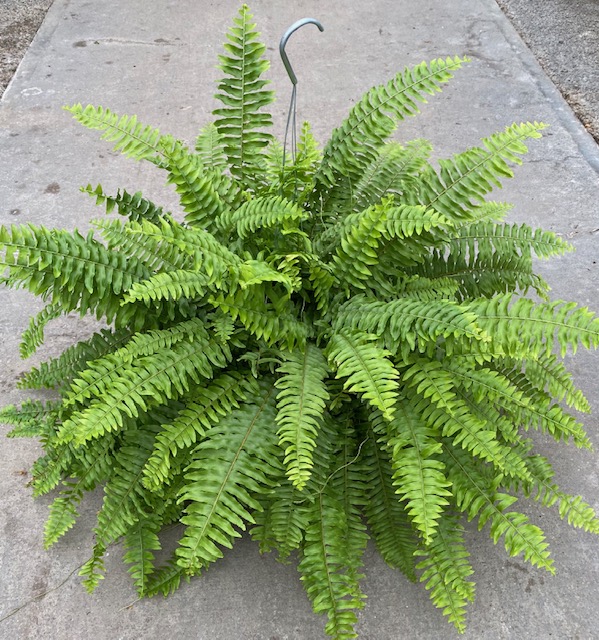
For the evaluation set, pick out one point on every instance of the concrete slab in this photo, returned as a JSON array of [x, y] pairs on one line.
[[157, 60]]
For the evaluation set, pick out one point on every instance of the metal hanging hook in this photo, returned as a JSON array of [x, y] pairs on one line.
[[294, 27]]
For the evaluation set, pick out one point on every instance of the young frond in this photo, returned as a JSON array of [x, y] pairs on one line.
[[241, 120]]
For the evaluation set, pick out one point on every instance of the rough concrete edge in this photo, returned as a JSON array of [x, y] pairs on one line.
[[44, 33], [585, 142]]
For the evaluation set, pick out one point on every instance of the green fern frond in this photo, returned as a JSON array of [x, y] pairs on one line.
[[482, 275], [391, 171], [548, 372], [353, 145], [261, 318], [387, 518], [205, 251], [206, 406], [465, 179], [211, 149], [410, 324], [166, 580], [331, 587], [522, 326], [131, 138], [32, 419], [486, 238], [418, 473], [93, 570], [300, 403], [58, 372], [126, 238], [365, 368], [33, 336], [141, 541], [125, 498], [73, 271], [135, 207], [148, 381], [446, 570], [240, 121], [362, 233], [233, 465], [198, 190], [170, 285], [476, 493], [263, 213]]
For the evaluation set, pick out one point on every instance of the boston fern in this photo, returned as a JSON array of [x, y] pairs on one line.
[[320, 352]]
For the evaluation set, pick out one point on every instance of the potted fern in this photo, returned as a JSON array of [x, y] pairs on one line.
[[322, 352]]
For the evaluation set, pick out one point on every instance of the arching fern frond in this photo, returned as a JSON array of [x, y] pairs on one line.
[[371, 121], [135, 207], [198, 189], [476, 493], [147, 382], [522, 326], [58, 372], [73, 271], [468, 177], [418, 473], [141, 541], [131, 138], [333, 589], [261, 213], [408, 324], [387, 517]]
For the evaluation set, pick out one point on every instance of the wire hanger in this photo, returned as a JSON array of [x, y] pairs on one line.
[[291, 116]]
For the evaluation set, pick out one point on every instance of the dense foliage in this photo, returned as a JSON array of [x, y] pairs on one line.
[[337, 348]]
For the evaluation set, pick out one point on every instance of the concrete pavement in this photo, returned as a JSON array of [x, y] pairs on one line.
[[158, 60]]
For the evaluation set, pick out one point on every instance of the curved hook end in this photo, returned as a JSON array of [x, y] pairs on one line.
[[294, 27]]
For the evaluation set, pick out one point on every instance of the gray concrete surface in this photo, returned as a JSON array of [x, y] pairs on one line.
[[159, 63], [564, 37], [19, 22]]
